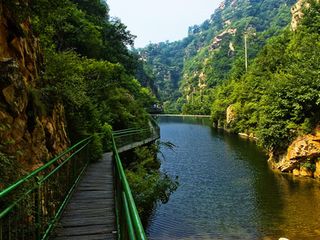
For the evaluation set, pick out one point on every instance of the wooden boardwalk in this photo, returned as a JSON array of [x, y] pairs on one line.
[[137, 144], [90, 215]]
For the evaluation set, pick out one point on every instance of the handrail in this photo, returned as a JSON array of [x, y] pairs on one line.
[[45, 166], [130, 132], [124, 130], [132, 216], [31, 206], [128, 219]]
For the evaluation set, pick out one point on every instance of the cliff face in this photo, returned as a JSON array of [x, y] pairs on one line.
[[302, 157], [297, 12], [30, 132]]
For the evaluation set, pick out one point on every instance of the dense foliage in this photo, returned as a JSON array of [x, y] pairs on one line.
[[88, 68], [143, 166], [278, 98], [164, 61], [213, 52]]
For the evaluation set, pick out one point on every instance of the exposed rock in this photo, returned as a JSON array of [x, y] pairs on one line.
[[55, 129], [15, 98], [231, 47], [306, 172], [305, 149], [248, 136], [227, 22], [38, 147], [230, 115], [307, 146], [18, 128], [316, 173], [217, 40], [25, 134], [297, 14], [222, 5], [202, 81], [296, 172], [233, 3], [5, 119]]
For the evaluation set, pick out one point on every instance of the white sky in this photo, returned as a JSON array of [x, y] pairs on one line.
[[160, 20]]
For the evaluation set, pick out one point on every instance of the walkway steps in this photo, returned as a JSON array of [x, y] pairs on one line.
[[90, 215]]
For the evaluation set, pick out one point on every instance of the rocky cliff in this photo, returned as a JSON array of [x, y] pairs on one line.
[[30, 131], [302, 157], [297, 12]]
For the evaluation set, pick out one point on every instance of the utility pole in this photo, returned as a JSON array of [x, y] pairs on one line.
[[245, 50]]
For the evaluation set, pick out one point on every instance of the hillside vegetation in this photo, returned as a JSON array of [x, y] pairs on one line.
[[186, 71], [278, 99], [275, 100]]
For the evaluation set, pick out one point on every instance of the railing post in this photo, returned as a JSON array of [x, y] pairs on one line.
[[37, 209], [9, 227], [1, 229]]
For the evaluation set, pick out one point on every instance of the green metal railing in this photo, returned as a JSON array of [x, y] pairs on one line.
[[128, 221], [126, 136], [31, 206]]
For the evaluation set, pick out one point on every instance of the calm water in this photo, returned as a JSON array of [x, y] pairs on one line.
[[227, 190]]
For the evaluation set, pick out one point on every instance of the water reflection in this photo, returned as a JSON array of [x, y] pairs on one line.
[[227, 190], [288, 206]]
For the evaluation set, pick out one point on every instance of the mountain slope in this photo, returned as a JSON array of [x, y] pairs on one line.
[[277, 100], [213, 51]]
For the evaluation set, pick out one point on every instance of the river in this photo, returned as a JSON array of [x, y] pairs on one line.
[[227, 191]]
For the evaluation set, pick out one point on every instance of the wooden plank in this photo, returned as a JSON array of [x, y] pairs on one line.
[[93, 194], [84, 230], [92, 211], [107, 236], [73, 206], [90, 214], [86, 221], [86, 215]]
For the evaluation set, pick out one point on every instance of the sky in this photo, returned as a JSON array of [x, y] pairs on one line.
[[160, 20]]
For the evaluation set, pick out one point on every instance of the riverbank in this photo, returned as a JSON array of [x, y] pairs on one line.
[[216, 171], [304, 163]]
